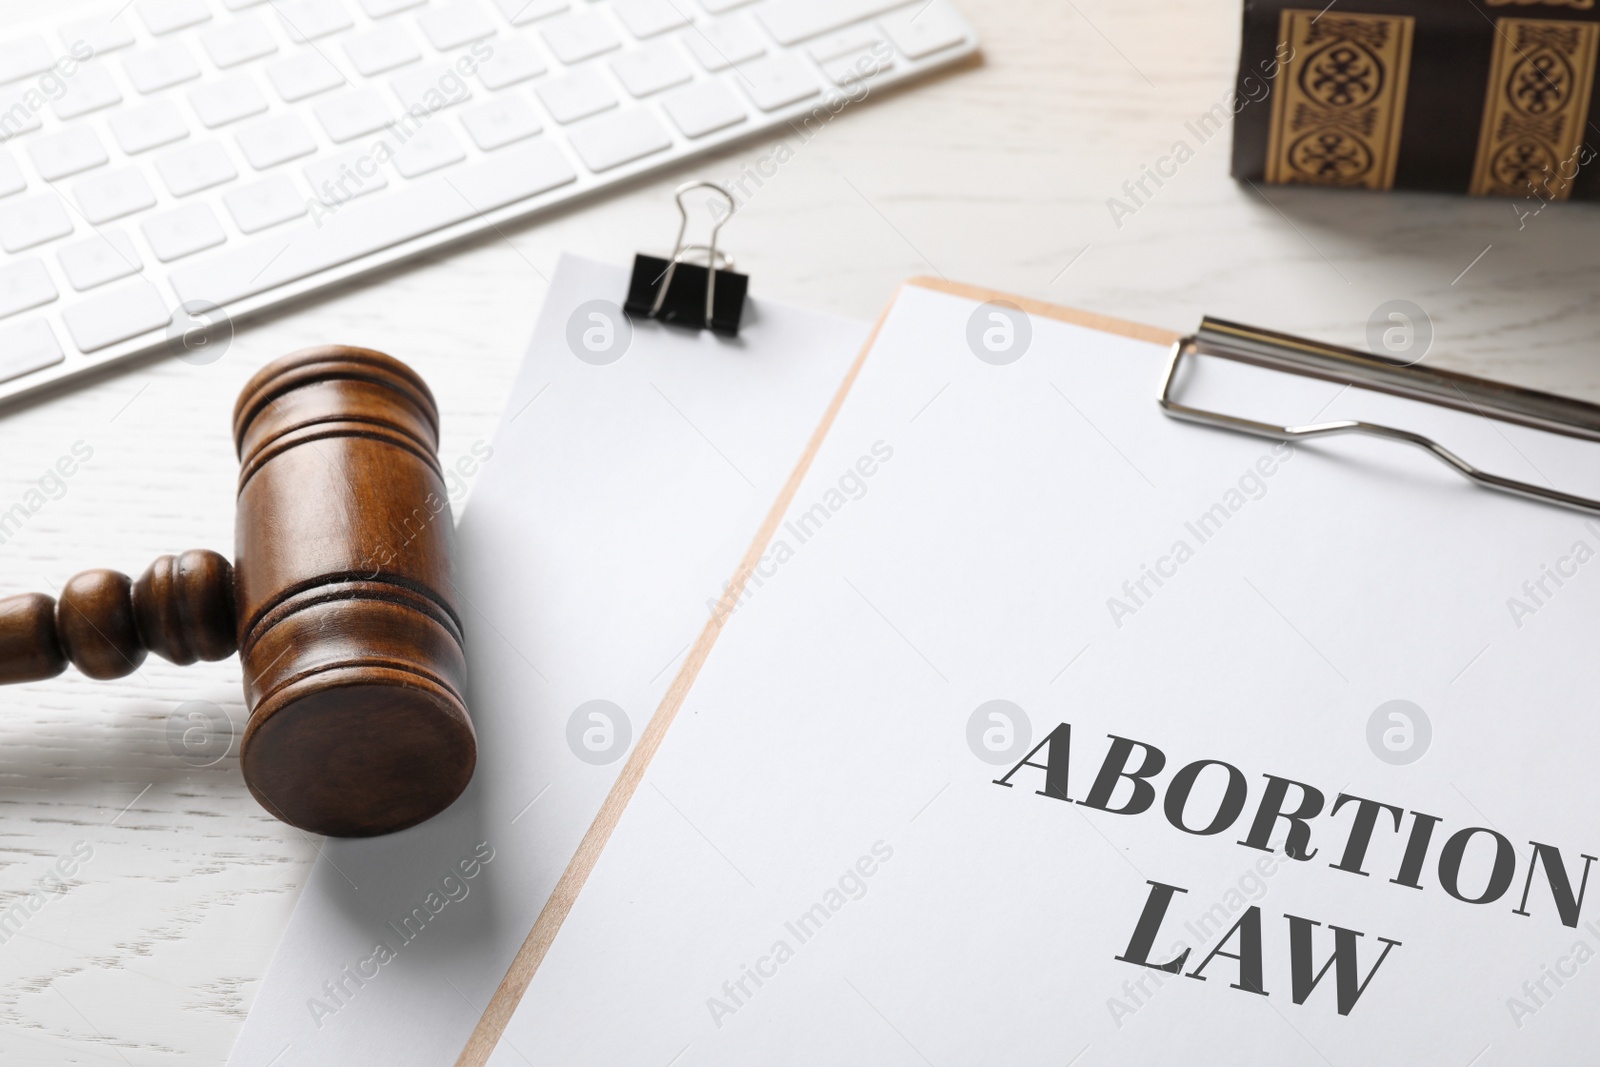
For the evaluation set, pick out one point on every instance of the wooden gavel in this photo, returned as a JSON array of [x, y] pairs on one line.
[[341, 601]]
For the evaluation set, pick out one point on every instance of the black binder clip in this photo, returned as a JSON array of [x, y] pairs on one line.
[[680, 293]]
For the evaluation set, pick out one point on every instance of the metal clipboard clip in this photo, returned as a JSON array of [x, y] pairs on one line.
[[1479, 396], [709, 297]]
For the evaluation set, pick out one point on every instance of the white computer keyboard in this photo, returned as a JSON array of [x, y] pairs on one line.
[[177, 163]]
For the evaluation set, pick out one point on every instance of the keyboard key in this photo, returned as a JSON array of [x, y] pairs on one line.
[[70, 152], [515, 59], [382, 8], [521, 12], [19, 59], [306, 74], [227, 101], [704, 108], [138, 129], [274, 140], [240, 5], [381, 49], [11, 179], [113, 194], [430, 89], [89, 90], [793, 21], [723, 44], [574, 38], [651, 69], [23, 285], [366, 226], [920, 33], [183, 231], [237, 42], [862, 66], [116, 316], [264, 203], [156, 68], [32, 221], [352, 114], [621, 138], [576, 96], [843, 43], [18, 114], [336, 179], [777, 81], [27, 347], [646, 18], [307, 20], [455, 24], [105, 257], [166, 16], [717, 7], [499, 122], [430, 148], [194, 167], [101, 35]]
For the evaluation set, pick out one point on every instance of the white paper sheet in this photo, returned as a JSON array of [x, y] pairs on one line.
[[819, 867], [618, 500]]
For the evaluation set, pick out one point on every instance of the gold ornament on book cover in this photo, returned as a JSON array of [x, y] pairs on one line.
[[1534, 117], [1337, 113]]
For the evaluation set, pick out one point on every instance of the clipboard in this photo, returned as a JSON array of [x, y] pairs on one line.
[[1214, 338]]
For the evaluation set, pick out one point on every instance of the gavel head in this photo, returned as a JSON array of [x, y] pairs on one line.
[[342, 603], [348, 625]]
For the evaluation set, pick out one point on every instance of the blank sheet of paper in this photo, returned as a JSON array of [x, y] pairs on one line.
[[617, 498], [1158, 637]]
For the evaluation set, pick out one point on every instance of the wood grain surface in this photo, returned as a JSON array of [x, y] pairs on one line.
[[149, 951]]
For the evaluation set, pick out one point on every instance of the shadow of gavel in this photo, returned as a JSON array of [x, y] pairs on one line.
[[341, 601]]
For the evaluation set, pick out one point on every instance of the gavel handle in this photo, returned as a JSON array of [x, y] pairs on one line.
[[181, 609]]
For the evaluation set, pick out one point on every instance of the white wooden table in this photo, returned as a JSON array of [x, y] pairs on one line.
[[996, 174]]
